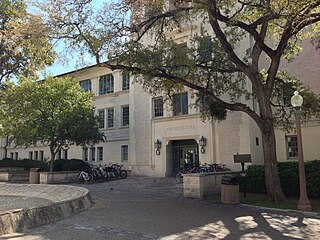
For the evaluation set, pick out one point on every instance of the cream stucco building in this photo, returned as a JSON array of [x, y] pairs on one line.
[[133, 120]]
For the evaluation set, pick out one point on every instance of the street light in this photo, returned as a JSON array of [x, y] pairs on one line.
[[303, 203]]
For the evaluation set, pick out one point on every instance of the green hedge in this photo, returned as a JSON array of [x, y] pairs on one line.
[[70, 165], [58, 165], [26, 164], [289, 178]]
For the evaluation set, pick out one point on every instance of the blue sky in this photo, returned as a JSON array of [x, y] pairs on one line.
[[61, 67]]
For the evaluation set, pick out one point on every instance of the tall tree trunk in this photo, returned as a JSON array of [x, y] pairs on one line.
[[53, 154], [273, 185]]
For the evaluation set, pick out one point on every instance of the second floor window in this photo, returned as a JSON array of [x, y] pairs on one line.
[[180, 104], [101, 119], [125, 81], [110, 117], [125, 116], [86, 85], [106, 84], [158, 107]]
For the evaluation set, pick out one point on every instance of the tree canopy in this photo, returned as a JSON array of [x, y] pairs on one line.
[[55, 112], [141, 37], [25, 45]]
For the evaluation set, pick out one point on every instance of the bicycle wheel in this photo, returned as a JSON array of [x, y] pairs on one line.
[[123, 174], [80, 179], [179, 177]]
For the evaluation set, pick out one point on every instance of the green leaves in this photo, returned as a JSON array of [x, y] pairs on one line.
[[25, 44], [56, 112]]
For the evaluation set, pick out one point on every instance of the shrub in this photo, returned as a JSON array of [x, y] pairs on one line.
[[26, 164], [69, 165], [75, 165], [289, 178]]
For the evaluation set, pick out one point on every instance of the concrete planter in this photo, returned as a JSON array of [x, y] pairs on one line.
[[58, 177], [14, 176], [200, 185]]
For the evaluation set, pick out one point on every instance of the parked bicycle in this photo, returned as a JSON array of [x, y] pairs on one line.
[[204, 168]]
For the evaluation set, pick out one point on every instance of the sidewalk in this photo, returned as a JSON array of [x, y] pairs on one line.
[[24, 206]]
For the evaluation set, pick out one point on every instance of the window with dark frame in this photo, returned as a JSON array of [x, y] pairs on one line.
[[11, 155], [92, 154], [106, 84], [41, 155], [125, 81], [180, 104], [158, 107], [125, 116], [205, 50], [16, 155], [292, 147], [101, 116], [30, 155], [85, 154], [110, 113], [100, 153], [86, 85], [36, 155], [65, 154], [124, 153]]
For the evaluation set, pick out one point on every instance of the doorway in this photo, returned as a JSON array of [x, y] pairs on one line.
[[184, 153]]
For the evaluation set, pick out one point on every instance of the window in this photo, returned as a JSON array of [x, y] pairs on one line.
[[124, 153], [58, 156], [11, 155], [86, 85], [93, 154], [85, 154], [125, 81], [41, 155], [205, 49], [31, 155], [125, 116], [106, 84], [100, 153], [36, 155], [65, 154], [110, 112], [101, 118], [158, 107], [292, 147], [180, 104], [16, 155]]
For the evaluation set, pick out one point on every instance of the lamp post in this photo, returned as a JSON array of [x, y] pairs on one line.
[[303, 203]]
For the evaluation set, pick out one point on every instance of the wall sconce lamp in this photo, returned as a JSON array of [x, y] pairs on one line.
[[157, 146], [202, 143]]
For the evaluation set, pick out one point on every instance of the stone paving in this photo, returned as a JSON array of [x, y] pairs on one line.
[[154, 208], [26, 206]]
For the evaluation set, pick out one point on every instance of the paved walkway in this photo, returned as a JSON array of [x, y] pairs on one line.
[[26, 206], [154, 208]]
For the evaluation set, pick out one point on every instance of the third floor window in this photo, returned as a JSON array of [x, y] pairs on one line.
[[180, 104], [106, 84], [125, 81], [86, 85]]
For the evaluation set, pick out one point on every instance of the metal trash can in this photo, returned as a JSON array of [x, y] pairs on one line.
[[229, 190], [34, 176]]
